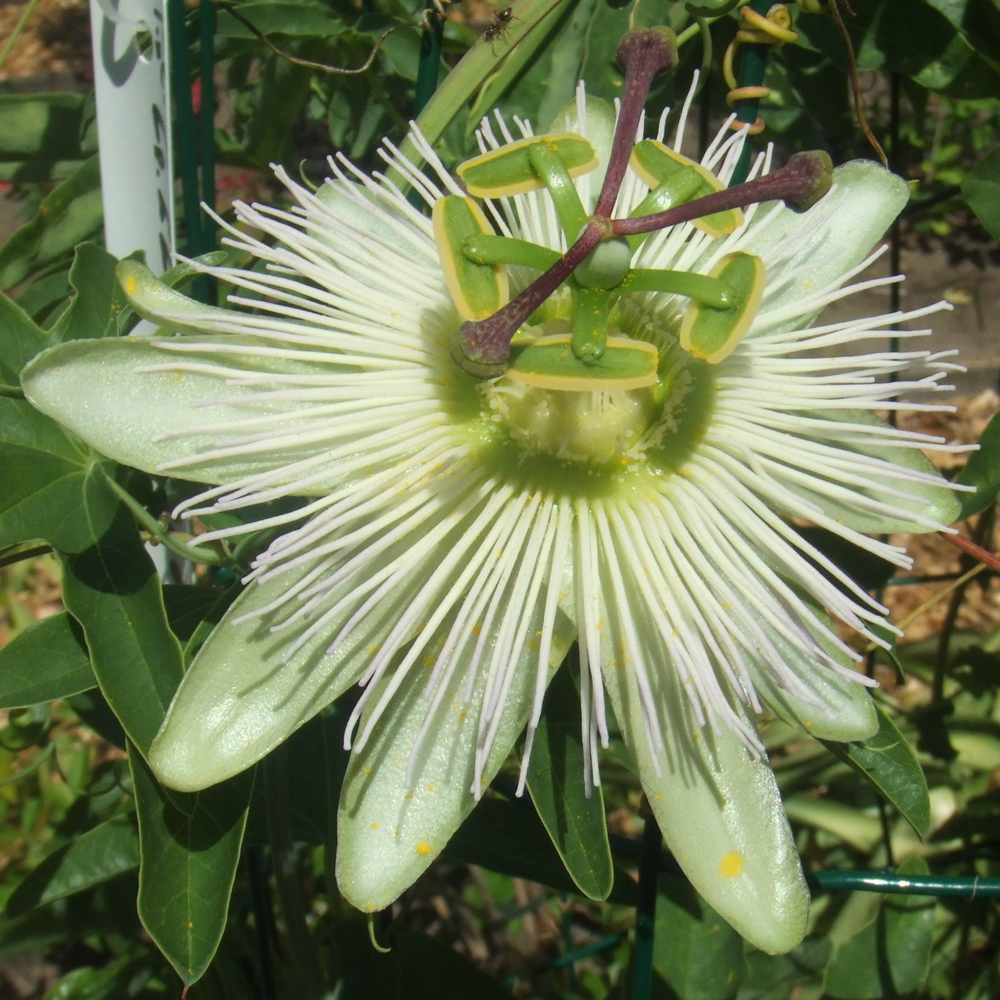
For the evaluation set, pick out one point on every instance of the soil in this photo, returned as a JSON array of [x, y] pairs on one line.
[[55, 41]]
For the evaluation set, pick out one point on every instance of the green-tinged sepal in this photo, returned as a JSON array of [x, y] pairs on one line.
[[259, 677], [153, 299], [836, 707], [550, 363], [389, 831], [241, 698], [673, 180], [508, 170], [933, 499], [833, 241], [478, 290], [713, 334], [719, 810], [134, 402]]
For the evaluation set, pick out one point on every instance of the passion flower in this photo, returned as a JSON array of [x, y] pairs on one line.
[[629, 476]]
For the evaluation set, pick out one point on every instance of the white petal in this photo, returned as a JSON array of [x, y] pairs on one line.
[[720, 813], [834, 236], [389, 831]]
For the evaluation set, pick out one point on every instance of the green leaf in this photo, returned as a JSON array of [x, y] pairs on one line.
[[46, 661], [892, 652], [41, 126], [187, 606], [478, 64], [861, 830], [20, 339], [981, 186], [920, 42], [66, 217], [889, 763], [112, 589], [314, 765], [46, 296], [507, 837], [567, 50], [95, 712], [99, 307], [280, 17], [45, 475], [525, 75], [775, 976], [696, 954], [979, 818], [106, 851], [111, 911], [889, 957], [983, 468], [575, 822], [190, 846]]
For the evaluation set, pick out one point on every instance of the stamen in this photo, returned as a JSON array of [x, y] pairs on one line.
[[483, 347]]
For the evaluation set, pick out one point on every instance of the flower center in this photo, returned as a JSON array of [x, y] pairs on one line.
[[583, 426]]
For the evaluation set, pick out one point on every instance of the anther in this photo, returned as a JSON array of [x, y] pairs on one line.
[[482, 347]]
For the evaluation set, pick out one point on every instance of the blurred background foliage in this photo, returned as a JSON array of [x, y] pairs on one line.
[[506, 912]]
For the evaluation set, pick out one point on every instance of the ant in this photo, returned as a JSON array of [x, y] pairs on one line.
[[500, 24]]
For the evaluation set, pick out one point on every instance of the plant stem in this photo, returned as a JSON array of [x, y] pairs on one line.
[[18, 28], [10, 558], [194, 553]]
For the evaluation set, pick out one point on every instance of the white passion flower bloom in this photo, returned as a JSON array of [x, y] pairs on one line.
[[461, 533]]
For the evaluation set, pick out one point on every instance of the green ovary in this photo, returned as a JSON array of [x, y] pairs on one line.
[[596, 427], [602, 433]]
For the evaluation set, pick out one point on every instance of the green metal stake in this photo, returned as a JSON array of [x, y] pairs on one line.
[[180, 73], [753, 63], [430, 59], [206, 124], [427, 74], [650, 862]]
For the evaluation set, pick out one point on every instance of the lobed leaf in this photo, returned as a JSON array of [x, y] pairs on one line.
[[190, 848], [888, 762], [574, 821], [48, 660], [104, 852]]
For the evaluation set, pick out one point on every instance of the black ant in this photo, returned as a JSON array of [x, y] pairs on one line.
[[500, 24]]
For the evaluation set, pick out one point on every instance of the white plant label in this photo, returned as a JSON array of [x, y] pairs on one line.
[[133, 127]]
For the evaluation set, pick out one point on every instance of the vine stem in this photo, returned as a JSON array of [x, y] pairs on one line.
[[970, 549], [22, 555], [170, 541], [984, 556], [941, 595]]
